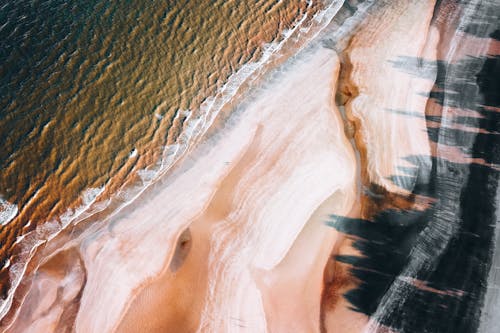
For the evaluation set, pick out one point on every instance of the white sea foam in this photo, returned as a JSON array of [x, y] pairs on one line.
[[90, 195], [133, 153], [7, 211], [19, 239], [147, 176]]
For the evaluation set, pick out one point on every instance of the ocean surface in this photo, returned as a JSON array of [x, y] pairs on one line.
[[92, 93]]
